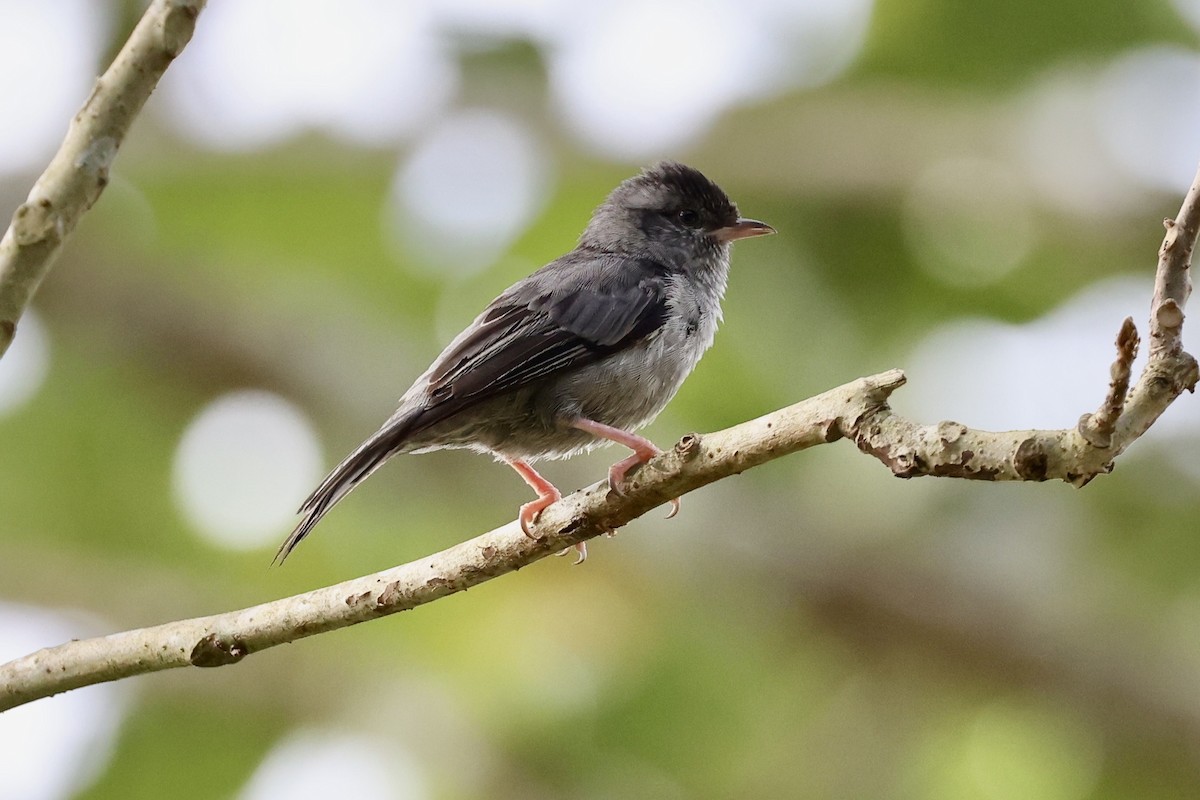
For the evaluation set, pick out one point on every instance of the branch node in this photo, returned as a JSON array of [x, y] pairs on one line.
[[1030, 460], [688, 446], [35, 221], [215, 650], [1093, 433], [1169, 314]]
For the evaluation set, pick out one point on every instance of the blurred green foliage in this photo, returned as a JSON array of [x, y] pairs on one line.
[[997, 46]]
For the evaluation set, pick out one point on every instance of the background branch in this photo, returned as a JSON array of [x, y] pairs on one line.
[[78, 173]]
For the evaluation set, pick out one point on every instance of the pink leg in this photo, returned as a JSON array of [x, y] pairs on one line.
[[643, 450], [547, 494]]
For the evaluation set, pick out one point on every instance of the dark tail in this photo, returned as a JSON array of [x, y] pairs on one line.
[[353, 470]]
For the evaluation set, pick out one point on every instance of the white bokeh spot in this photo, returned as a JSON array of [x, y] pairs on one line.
[[636, 78], [318, 765], [48, 60], [1148, 115], [53, 748], [243, 466], [364, 70], [24, 367], [471, 186], [632, 78], [1065, 158], [1043, 374], [1190, 10]]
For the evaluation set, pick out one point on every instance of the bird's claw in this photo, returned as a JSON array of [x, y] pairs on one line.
[[675, 504], [580, 547], [532, 510], [616, 481]]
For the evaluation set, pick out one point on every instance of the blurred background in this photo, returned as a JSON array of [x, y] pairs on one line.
[[320, 195]]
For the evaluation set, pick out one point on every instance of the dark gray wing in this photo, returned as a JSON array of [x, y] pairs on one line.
[[570, 313]]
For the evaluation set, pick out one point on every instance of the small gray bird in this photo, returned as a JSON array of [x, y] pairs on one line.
[[587, 349]]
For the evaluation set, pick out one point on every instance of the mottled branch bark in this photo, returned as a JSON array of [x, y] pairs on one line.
[[1098, 428], [78, 173], [1173, 279]]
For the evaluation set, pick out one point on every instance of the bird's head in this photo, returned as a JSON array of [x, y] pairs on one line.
[[671, 212]]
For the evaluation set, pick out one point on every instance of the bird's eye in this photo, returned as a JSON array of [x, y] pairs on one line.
[[688, 218]]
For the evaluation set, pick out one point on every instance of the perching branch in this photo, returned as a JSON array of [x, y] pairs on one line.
[[79, 171]]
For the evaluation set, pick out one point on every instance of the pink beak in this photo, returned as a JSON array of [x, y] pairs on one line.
[[742, 229]]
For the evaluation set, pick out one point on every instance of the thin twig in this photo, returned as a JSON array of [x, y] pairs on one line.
[[1172, 280], [1098, 428], [78, 173]]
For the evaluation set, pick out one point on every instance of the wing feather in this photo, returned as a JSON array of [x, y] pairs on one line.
[[561, 317]]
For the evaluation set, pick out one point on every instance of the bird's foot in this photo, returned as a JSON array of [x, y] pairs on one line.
[[616, 474], [643, 450], [547, 495], [530, 511], [618, 471]]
